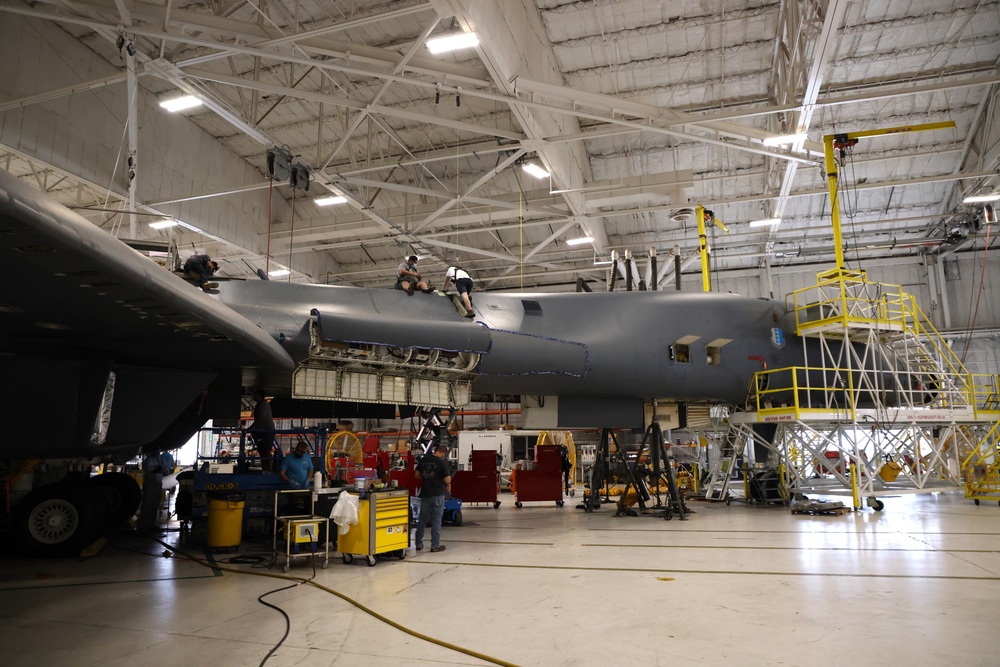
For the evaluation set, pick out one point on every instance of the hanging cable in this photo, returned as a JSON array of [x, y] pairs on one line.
[[291, 237], [270, 200], [982, 284]]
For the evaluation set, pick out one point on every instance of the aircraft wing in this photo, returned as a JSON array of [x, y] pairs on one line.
[[70, 290]]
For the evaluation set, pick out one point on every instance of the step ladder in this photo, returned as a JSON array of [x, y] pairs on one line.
[[717, 487]]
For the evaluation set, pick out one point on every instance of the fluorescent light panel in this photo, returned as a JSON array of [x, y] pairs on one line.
[[278, 273], [979, 199], [580, 241], [765, 222], [181, 103], [535, 170], [163, 224], [452, 42], [785, 139], [330, 201]]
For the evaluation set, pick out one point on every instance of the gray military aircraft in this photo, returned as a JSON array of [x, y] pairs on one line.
[[104, 352]]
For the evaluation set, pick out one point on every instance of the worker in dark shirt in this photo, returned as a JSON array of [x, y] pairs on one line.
[[262, 430], [435, 481], [201, 268]]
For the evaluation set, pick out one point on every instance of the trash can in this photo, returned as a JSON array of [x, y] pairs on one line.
[[225, 520]]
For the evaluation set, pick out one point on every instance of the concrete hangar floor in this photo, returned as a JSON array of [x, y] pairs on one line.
[[916, 584]]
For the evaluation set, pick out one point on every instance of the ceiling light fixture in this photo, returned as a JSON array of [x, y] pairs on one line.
[[535, 170], [765, 222], [580, 241], [785, 139], [181, 103], [980, 199], [163, 224], [278, 273], [452, 42], [602, 263], [330, 201]]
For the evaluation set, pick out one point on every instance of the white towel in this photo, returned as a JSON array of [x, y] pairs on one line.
[[345, 512]]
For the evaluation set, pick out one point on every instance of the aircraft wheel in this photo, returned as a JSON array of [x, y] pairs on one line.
[[348, 558], [518, 504], [371, 561], [123, 494], [496, 504], [58, 519]]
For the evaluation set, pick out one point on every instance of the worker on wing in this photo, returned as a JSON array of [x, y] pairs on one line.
[[408, 278], [201, 268], [463, 283]]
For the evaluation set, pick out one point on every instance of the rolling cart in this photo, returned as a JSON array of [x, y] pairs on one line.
[[481, 483], [383, 526], [302, 532], [545, 482]]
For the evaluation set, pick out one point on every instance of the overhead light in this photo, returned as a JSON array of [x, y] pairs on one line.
[[580, 241], [979, 199], [535, 170], [765, 222], [163, 224], [277, 273], [330, 201], [452, 42], [181, 103], [785, 139], [602, 263]]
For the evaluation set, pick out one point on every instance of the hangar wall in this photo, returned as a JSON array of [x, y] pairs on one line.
[[84, 134]]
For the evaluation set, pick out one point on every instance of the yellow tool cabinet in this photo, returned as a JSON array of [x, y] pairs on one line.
[[383, 527]]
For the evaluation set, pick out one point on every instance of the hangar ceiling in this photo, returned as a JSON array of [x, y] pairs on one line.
[[639, 110]]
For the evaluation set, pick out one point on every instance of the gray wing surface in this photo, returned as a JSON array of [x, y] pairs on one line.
[[69, 289]]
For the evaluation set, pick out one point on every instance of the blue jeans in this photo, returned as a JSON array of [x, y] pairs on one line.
[[431, 511]]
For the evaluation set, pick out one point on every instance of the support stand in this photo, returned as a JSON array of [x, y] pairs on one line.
[[661, 471], [600, 474]]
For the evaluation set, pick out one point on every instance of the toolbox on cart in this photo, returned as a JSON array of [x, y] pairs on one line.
[[383, 526]]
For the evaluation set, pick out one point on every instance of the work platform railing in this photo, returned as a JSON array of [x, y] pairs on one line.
[[881, 405]]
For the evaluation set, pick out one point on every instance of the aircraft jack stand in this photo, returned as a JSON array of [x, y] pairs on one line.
[[662, 471], [600, 473]]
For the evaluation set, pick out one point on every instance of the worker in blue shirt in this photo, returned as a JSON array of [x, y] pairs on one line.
[[297, 469]]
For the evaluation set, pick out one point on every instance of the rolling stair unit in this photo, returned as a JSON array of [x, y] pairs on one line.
[[430, 365], [882, 405]]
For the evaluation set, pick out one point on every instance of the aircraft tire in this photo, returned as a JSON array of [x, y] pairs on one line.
[[123, 493], [58, 519]]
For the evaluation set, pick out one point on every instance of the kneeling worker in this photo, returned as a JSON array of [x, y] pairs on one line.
[[408, 278], [201, 268]]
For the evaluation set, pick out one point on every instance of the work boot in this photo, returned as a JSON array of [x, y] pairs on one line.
[[409, 289], [434, 550], [469, 313], [429, 290], [208, 286]]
